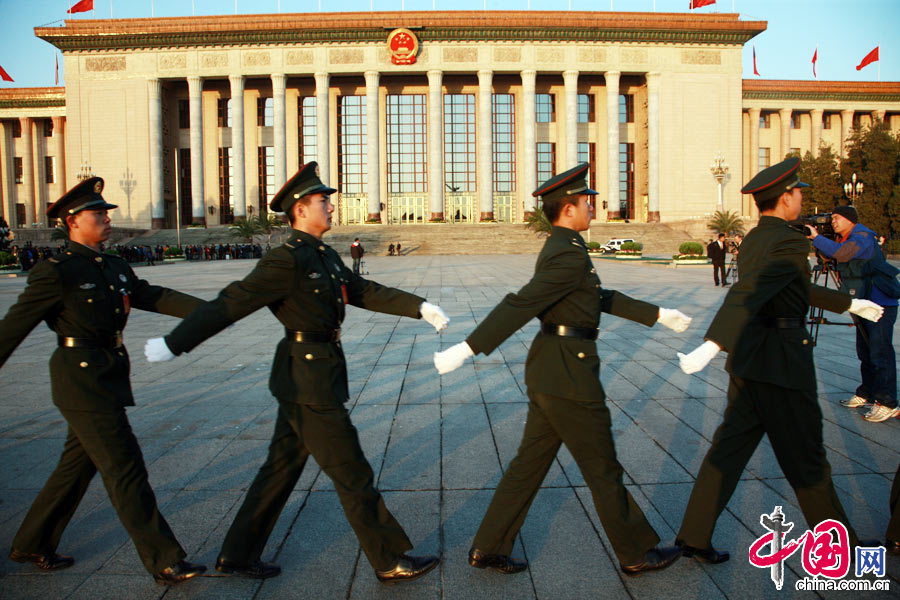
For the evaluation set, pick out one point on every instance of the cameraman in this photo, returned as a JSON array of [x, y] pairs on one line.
[[865, 274]]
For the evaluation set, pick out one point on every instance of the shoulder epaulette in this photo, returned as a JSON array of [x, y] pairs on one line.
[[61, 257]]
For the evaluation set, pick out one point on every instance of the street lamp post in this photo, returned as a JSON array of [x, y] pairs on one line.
[[719, 170], [853, 189], [84, 172]]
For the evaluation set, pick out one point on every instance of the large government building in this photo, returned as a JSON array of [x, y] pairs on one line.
[[414, 117]]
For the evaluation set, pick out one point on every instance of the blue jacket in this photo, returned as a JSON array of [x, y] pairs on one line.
[[859, 244]]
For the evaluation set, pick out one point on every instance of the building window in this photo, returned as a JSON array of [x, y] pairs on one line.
[[826, 121], [48, 127], [626, 181], [795, 152], [626, 108], [224, 112], [17, 166], [765, 120], [795, 121], [503, 140], [459, 142], [406, 143], [545, 108], [17, 128], [226, 185], [765, 159], [184, 184], [266, 165], [352, 148], [265, 112], [587, 153], [546, 161], [184, 114], [585, 108], [306, 118], [49, 169], [857, 120]]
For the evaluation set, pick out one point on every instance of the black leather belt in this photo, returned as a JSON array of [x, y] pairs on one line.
[[319, 337], [781, 322], [105, 343], [584, 333]]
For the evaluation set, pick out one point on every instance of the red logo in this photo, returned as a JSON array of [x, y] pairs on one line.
[[403, 46]]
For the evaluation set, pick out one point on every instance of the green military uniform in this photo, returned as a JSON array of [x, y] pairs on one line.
[[772, 387], [566, 397], [85, 297], [307, 287]]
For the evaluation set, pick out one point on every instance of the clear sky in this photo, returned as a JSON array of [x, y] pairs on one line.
[[843, 30]]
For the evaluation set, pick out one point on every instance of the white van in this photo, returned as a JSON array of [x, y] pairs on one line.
[[614, 245]]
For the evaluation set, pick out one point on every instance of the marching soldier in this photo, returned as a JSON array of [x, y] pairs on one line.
[[772, 388], [566, 397], [307, 287], [85, 297]]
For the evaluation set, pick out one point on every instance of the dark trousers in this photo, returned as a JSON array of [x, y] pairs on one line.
[[356, 265], [877, 362], [793, 421], [893, 530], [585, 429], [100, 442], [719, 267], [327, 433]]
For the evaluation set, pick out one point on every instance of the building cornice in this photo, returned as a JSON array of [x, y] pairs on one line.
[[41, 97], [447, 26], [821, 91]]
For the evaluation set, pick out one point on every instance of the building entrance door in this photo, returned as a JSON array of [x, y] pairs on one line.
[[460, 208], [406, 210], [353, 210], [504, 209]]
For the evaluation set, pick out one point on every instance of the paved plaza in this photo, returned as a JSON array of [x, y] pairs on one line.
[[438, 446]]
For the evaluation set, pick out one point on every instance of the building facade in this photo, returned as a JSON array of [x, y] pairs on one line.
[[414, 117]]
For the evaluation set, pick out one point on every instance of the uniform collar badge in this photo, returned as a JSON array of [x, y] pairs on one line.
[[88, 286], [122, 277], [314, 275]]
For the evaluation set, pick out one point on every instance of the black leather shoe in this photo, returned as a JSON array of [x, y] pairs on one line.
[[407, 568], [709, 555], [654, 559], [498, 562], [254, 570], [47, 562], [178, 573], [893, 547]]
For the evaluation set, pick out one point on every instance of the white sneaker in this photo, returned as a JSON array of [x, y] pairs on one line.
[[881, 413], [854, 402]]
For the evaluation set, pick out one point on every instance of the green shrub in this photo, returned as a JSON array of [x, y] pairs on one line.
[[632, 247], [691, 248], [7, 259], [594, 245], [174, 251], [891, 247]]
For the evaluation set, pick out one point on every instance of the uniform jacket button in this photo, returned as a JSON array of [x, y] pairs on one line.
[[117, 311], [309, 357], [581, 355], [112, 287], [805, 342], [90, 300], [82, 364]]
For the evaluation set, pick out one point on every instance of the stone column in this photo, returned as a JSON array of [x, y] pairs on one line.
[[7, 183], [846, 124], [754, 142], [322, 141], [570, 81], [435, 144], [195, 94], [653, 147], [373, 150], [815, 137], [237, 144], [27, 169], [280, 137], [529, 169], [612, 144], [157, 201], [39, 176], [59, 139], [785, 115], [484, 130]]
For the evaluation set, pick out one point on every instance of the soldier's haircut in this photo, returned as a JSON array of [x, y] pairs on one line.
[[552, 207]]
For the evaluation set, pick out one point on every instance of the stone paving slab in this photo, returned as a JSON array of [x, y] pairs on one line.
[[437, 445]]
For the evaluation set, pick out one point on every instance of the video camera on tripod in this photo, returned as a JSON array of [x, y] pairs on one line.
[[821, 222]]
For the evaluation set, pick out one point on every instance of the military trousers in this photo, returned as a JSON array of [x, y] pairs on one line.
[[100, 442], [793, 421], [327, 433], [585, 429], [893, 530]]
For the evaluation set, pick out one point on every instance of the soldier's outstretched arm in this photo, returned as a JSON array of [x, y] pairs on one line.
[[373, 296], [163, 300], [37, 300]]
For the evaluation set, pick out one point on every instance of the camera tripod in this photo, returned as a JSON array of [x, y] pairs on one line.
[[824, 269]]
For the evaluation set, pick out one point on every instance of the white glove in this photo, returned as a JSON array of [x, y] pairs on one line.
[[674, 319], [156, 350], [452, 358], [434, 315], [699, 358], [866, 309]]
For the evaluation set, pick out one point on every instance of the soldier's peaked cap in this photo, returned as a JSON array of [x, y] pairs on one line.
[[773, 181], [306, 181], [570, 183], [84, 196]]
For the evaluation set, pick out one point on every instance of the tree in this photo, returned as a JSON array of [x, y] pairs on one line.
[[537, 221], [245, 229], [822, 173], [269, 224], [873, 153], [729, 223]]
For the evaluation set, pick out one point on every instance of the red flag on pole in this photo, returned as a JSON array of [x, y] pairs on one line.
[[755, 72], [869, 59], [81, 6], [4, 75], [815, 58], [700, 3]]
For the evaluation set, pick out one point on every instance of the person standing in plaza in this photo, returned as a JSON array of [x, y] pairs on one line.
[[716, 251], [772, 385], [356, 253], [566, 398], [85, 296], [307, 287], [864, 273]]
